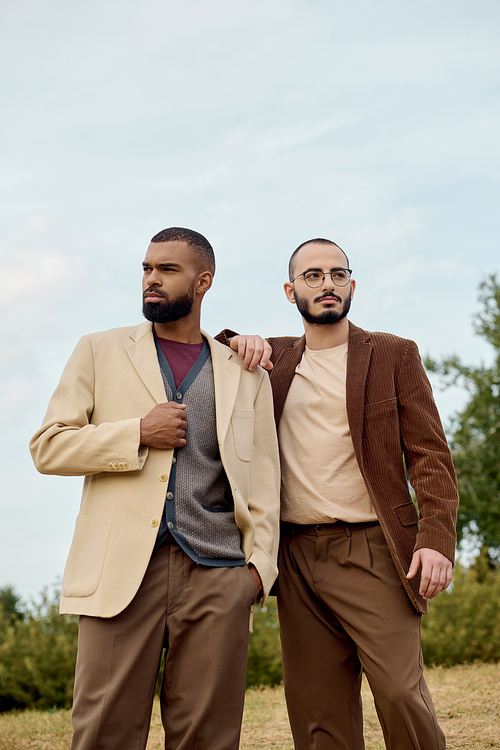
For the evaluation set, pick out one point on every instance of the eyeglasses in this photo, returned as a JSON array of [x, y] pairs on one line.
[[314, 279]]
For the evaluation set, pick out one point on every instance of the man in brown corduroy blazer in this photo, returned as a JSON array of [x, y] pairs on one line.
[[358, 563]]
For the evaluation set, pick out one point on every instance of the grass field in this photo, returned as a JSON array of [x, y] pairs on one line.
[[467, 700]]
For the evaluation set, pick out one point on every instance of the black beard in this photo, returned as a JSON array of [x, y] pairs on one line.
[[170, 310], [325, 318]]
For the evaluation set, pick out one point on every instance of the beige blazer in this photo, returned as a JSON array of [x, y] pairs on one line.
[[92, 429]]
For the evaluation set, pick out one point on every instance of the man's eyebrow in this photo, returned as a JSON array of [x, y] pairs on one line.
[[312, 269], [162, 265], [336, 268]]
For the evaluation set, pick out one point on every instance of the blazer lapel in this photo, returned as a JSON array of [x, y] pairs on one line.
[[142, 354], [226, 381], [281, 375], [358, 359]]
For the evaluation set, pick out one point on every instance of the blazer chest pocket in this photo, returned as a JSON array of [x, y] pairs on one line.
[[381, 409], [86, 556], [381, 432], [242, 424]]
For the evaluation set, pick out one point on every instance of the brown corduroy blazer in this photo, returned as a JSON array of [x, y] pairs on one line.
[[393, 421]]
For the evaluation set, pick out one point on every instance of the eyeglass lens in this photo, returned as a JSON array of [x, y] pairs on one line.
[[340, 277]]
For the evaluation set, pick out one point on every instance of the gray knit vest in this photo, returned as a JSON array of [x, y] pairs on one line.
[[199, 507]]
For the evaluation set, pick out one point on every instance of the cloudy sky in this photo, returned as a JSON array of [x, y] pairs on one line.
[[260, 124]]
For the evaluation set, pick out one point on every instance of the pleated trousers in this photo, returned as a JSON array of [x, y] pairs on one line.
[[343, 610], [201, 616]]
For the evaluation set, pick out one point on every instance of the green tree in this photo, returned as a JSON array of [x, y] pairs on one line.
[[37, 657], [10, 604], [475, 431]]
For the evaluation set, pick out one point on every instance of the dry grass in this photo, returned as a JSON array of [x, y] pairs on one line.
[[467, 700]]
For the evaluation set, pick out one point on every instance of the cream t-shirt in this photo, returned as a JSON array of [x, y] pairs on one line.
[[320, 478]]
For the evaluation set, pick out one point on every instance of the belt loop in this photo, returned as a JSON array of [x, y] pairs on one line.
[[347, 527]]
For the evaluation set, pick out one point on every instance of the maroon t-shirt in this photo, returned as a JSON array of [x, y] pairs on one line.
[[181, 357]]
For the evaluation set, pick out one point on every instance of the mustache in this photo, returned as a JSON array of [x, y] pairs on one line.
[[152, 290], [328, 295]]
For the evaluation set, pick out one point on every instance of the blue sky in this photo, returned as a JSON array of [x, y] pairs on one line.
[[261, 125]]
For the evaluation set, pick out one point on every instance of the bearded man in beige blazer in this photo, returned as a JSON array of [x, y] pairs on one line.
[[358, 562], [177, 533]]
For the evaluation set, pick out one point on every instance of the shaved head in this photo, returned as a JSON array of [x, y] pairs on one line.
[[317, 241]]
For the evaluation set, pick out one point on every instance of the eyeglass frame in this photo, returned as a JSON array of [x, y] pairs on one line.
[[325, 273]]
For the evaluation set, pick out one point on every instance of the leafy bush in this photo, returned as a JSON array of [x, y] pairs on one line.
[[37, 656], [264, 651], [464, 622]]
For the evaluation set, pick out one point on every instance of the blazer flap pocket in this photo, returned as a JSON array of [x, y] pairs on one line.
[[407, 514], [86, 556]]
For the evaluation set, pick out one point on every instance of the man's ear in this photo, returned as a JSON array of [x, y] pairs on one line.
[[288, 287], [204, 282]]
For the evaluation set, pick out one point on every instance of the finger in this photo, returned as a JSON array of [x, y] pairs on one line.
[[176, 411], [448, 577], [242, 346], [250, 355], [266, 355], [415, 562], [430, 585], [426, 585], [256, 358], [427, 591], [412, 571], [444, 580], [260, 355]]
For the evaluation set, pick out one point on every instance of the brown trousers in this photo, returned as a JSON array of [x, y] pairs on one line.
[[201, 615], [343, 610]]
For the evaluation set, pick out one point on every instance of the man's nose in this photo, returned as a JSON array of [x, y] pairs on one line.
[[154, 278], [328, 281]]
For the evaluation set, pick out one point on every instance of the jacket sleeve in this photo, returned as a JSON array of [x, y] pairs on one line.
[[427, 455], [264, 489], [68, 443], [224, 336]]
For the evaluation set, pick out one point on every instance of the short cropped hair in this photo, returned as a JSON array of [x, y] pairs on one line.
[[194, 240], [317, 241]]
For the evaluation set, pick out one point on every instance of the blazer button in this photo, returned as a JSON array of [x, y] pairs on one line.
[[116, 466], [154, 522], [163, 477], [110, 467], [125, 464]]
